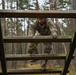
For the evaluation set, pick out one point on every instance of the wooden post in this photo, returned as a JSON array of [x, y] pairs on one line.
[[69, 56], [2, 55]]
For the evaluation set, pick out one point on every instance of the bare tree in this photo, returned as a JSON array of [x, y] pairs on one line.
[[37, 5]]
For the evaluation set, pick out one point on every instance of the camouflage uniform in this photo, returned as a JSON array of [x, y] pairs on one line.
[[48, 29]]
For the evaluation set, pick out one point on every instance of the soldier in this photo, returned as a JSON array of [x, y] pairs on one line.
[[46, 27]]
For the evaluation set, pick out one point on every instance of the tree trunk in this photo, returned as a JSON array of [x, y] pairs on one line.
[[37, 5]]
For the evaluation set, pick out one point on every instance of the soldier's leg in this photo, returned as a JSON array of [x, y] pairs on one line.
[[47, 49], [33, 47], [32, 50]]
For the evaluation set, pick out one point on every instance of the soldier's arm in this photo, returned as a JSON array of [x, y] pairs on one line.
[[52, 28]]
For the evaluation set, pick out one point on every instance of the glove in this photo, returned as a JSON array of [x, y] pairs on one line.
[[54, 35]]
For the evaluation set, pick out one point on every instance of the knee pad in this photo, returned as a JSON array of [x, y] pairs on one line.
[[32, 49]]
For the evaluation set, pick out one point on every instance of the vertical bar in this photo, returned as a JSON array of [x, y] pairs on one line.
[[69, 56], [2, 54]]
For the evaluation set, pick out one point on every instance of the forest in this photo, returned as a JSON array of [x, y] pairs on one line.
[[22, 27]]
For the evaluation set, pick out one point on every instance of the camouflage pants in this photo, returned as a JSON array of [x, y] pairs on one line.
[[33, 47]]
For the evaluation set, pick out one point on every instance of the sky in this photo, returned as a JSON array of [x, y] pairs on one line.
[[41, 2], [0, 4]]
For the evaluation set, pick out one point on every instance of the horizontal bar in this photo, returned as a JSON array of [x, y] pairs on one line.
[[38, 13], [33, 71], [11, 57], [34, 39]]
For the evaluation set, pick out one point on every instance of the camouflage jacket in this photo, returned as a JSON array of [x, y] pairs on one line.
[[48, 28]]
